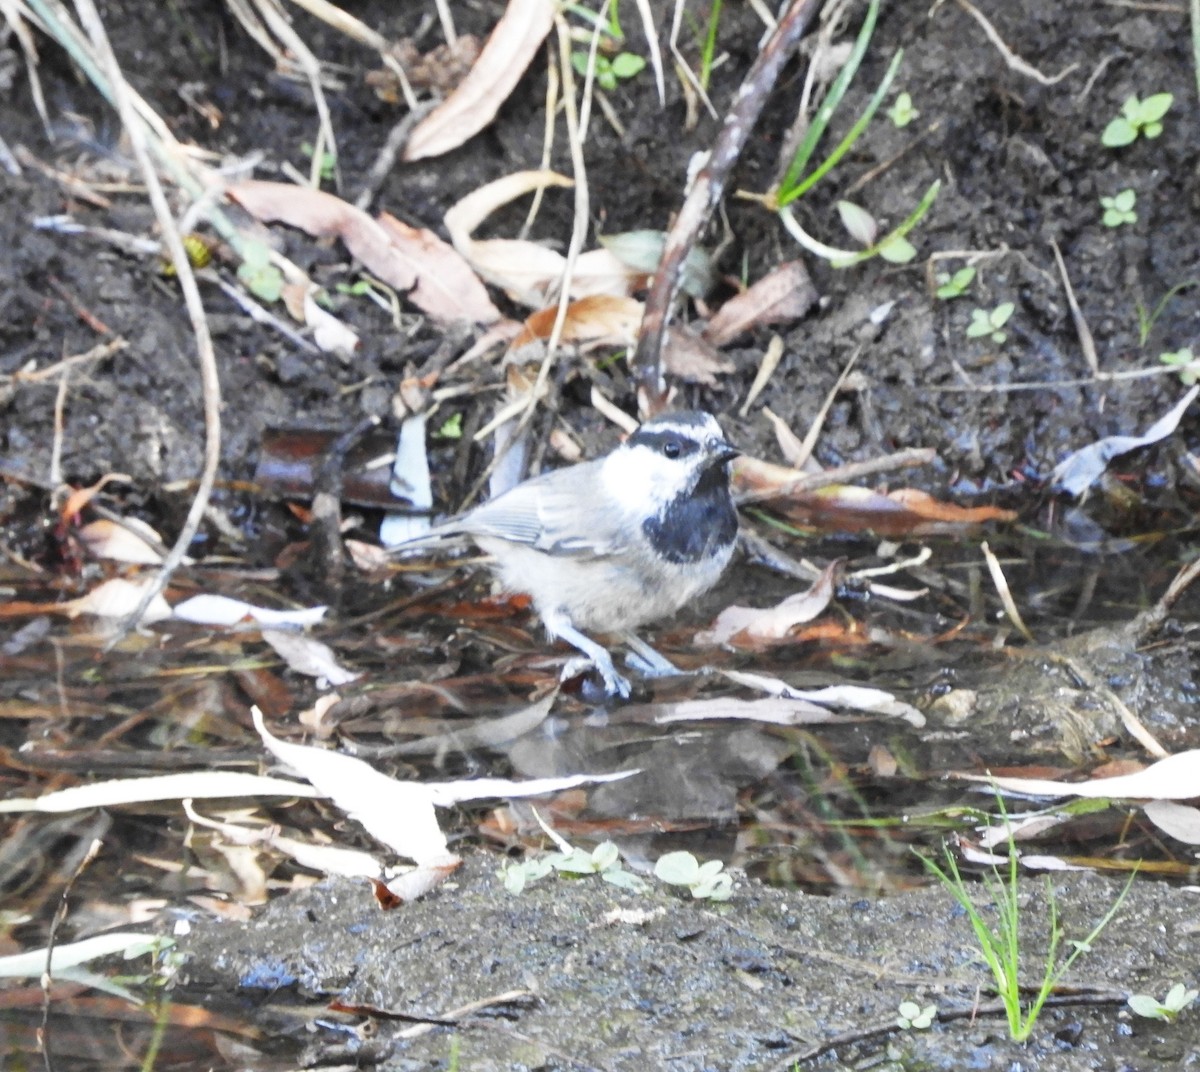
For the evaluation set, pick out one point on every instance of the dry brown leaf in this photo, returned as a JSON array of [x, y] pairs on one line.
[[784, 294], [529, 273], [414, 261], [474, 104], [692, 359], [847, 507], [772, 623], [597, 320], [926, 506]]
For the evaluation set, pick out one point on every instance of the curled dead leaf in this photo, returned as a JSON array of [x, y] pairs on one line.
[[529, 273], [474, 104], [784, 294], [772, 623], [412, 260]]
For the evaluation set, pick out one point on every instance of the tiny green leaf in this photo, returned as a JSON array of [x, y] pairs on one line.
[[451, 428], [980, 324], [902, 111], [897, 250], [954, 286], [1154, 107], [605, 855], [677, 868], [1125, 200], [1145, 1005], [627, 64], [1118, 133], [999, 316]]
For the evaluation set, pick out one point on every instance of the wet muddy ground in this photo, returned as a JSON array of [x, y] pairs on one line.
[[775, 973]]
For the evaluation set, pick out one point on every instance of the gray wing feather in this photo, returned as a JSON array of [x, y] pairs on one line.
[[556, 512]]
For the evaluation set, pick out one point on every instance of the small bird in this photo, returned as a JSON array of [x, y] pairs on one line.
[[610, 544]]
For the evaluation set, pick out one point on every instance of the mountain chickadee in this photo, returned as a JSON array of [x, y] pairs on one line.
[[611, 544]]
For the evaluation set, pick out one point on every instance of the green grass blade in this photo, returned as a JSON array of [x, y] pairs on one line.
[[787, 194], [832, 99]]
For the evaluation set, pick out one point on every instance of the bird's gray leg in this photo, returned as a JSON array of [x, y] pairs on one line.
[[646, 659], [560, 626]]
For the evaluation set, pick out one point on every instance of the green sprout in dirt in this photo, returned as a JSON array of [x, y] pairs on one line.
[[1147, 319], [1178, 998], [256, 271], [452, 428], [604, 860], [902, 111], [990, 322], [1137, 117], [864, 227], [798, 179], [707, 882], [955, 286], [912, 1017], [1000, 943], [1185, 362], [1118, 209], [328, 161], [708, 49], [609, 72]]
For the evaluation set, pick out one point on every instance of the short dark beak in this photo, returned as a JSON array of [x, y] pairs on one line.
[[724, 452]]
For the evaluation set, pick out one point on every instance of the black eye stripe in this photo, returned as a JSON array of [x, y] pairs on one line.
[[661, 442]]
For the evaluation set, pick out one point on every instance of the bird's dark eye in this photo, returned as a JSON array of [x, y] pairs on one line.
[[671, 448]]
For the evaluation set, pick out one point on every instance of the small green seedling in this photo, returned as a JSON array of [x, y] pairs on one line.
[[708, 882], [1142, 117], [902, 111], [1118, 209], [1147, 318], [955, 286], [604, 860], [328, 161], [998, 932], [518, 874], [451, 428], [914, 1018], [256, 271], [990, 322], [623, 66], [1178, 998], [1185, 362], [863, 226]]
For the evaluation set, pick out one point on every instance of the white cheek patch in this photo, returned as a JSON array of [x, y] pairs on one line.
[[640, 480]]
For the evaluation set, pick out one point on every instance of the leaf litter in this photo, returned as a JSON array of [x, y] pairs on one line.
[[542, 289]]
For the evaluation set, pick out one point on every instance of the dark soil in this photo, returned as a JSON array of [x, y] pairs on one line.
[[1022, 169]]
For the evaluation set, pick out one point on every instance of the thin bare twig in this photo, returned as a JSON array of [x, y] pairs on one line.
[[89, 17], [1011, 59], [1087, 342], [47, 975], [706, 192]]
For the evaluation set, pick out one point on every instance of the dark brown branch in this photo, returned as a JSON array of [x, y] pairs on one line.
[[706, 193]]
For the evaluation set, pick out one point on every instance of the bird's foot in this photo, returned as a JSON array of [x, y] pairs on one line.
[[646, 661], [614, 683]]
